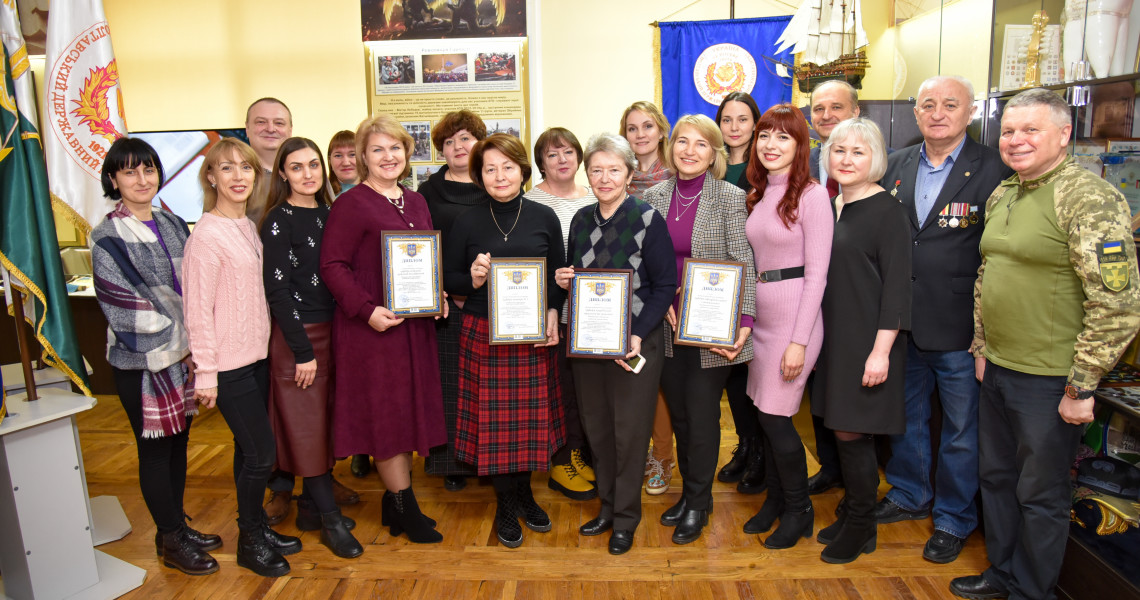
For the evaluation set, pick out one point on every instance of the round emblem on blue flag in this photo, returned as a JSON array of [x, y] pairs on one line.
[[722, 69]]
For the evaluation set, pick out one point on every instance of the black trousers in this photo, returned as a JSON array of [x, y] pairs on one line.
[[162, 461], [744, 412], [693, 394], [575, 436], [243, 396], [617, 411], [1025, 452]]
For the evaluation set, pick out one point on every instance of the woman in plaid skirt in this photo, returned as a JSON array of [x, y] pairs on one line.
[[510, 410]]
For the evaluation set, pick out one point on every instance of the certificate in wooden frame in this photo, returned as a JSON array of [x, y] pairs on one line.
[[516, 301], [711, 293], [589, 333], [413, 275]]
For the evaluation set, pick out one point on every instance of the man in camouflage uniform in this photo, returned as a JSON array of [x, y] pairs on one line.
[[1055, 306]]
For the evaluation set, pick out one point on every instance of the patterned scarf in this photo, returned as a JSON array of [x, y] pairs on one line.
[[134, 282]]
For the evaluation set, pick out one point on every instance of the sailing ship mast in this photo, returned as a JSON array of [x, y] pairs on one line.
[[830, 42]]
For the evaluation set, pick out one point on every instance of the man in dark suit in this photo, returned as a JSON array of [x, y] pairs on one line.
[[832, 102], [943, 182]]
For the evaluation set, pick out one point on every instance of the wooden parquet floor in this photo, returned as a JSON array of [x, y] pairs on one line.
[[724, 563]]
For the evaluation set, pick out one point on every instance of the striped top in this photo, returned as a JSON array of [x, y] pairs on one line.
[[565, 208]]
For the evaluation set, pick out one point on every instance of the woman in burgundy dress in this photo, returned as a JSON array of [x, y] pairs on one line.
[[388, 401]]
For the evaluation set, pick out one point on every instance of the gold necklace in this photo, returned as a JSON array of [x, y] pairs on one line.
[[505, 233]]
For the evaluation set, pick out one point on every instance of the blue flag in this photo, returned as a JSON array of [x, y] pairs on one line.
[[702, 61]]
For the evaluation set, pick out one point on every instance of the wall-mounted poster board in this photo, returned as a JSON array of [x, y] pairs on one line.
[[419, 81]]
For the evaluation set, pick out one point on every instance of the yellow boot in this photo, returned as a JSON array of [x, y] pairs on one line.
[[565, 479], [581, 467]]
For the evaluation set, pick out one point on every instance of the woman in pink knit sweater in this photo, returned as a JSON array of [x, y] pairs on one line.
[[789, 226], [228, 321]]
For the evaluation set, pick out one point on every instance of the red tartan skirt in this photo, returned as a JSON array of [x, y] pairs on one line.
[[510, 415]]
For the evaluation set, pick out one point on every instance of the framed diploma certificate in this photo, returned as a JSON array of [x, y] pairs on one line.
[[516, 297], [413, 278], [710, 303], [599, 321]]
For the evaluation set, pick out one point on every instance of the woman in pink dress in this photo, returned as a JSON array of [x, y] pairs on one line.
[[789, 226]]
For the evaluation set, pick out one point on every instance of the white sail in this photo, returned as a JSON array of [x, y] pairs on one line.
[[815, 44], [860, 34], [836, 31], [823, 30], [796, 32]]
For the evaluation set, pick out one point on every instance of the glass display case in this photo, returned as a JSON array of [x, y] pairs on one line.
[[1086, 50]]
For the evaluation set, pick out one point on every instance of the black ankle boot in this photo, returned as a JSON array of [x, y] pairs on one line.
[[827, 534], [762, 521], [773, 504], [507, 527], [255, 554], [309, 519], [672, 515], [335, 535], [794, 525], [536, 519], [858, 534], [798, 518], [285, 544], [407, 518], [205, 542], [388, 511], [733, 470], [752, 481], [178, 551]]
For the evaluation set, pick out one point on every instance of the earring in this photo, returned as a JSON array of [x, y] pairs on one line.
[[214, 185]]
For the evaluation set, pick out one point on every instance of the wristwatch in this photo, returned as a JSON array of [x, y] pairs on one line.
[[1076, 393]]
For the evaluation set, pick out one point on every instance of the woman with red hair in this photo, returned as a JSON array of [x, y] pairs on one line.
[[790, 227]]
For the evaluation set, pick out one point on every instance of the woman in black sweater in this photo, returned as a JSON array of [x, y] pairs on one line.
[[510, 413], [449, 193], [300, 360]]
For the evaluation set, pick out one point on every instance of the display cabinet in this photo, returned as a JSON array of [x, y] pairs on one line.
[[1087, 51]]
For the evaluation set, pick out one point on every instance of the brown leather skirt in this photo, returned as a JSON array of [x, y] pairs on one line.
[[301, 417]]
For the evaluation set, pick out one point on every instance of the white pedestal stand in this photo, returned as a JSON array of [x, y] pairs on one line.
[[50, 526]]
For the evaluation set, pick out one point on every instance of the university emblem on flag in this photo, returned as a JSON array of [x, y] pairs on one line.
[[722, 69], [1113, 265], [82, 96]]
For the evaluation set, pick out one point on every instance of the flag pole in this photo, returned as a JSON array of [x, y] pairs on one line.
[[25, 348]]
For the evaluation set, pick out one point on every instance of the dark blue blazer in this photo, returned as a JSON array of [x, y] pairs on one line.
[[945, 259]]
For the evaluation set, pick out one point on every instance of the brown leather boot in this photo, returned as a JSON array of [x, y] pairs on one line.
[[278, 507], [343, 495]]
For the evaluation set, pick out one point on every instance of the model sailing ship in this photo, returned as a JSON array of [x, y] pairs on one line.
[[829, 36]]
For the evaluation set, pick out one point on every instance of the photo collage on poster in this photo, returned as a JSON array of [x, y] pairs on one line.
[[418, 82]]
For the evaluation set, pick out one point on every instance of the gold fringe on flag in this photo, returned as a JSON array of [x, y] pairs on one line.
[[70, 215], [657, 66], [50, 356]]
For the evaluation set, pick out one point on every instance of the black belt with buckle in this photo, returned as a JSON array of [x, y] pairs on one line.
[[781, 274]]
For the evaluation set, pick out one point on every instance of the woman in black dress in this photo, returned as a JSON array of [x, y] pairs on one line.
[[866, 310], [449, 192]]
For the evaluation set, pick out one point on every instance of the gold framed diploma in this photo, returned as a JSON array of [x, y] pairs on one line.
[[516, 297], [711, 292], [413, 275], [600, 312]]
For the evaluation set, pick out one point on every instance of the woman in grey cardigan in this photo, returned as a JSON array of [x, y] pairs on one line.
[[137, 258]]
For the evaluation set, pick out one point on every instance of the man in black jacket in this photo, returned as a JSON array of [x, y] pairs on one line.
[[944, 182]]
